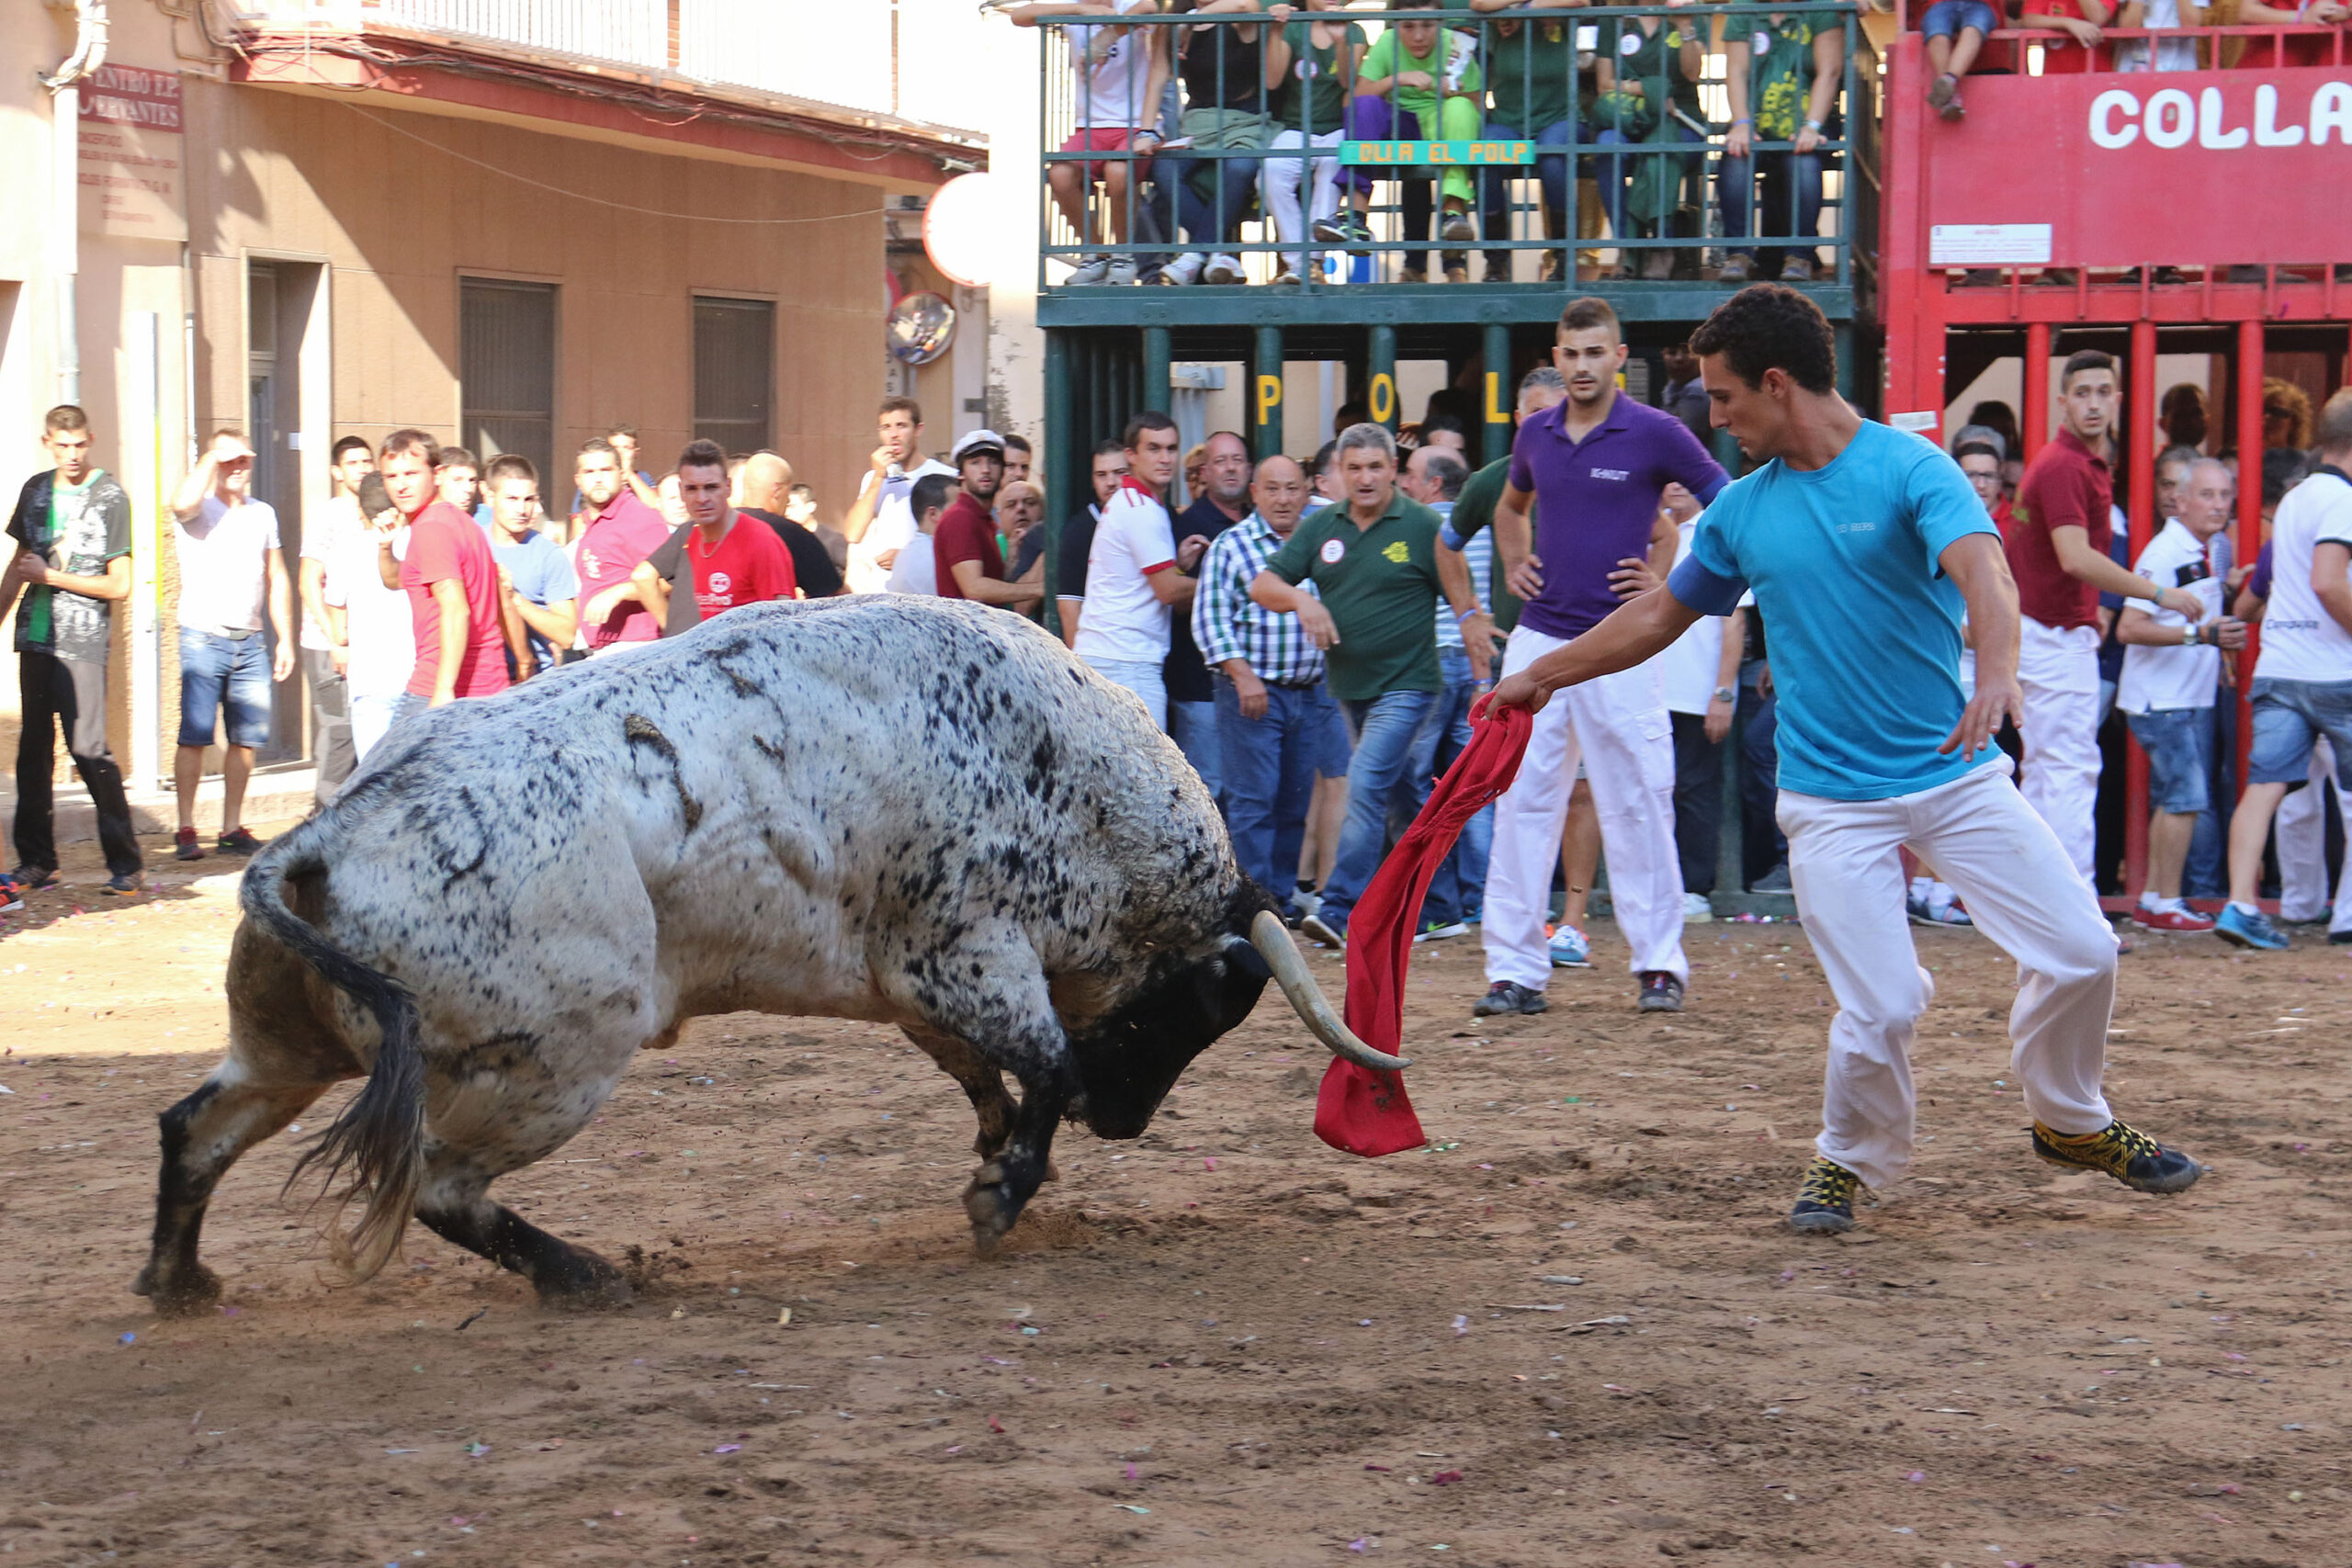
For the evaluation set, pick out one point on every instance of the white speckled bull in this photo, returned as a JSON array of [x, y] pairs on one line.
[[912, 811]]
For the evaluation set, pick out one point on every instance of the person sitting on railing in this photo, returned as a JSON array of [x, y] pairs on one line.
[[2157, 54], [1531, 71], [2305, 49], [1420, 81], [1227, 73], [1120, 72], [1782, 79], [2080, 20], [1316, 61], [1955, 30], [1648, 73]]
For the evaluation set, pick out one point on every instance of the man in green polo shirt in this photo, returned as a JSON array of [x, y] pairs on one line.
[[1375, 562]]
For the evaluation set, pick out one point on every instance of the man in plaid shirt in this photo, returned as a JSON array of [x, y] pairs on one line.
[[1274, 711]]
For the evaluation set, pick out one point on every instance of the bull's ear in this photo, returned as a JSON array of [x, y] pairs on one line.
[[1243, 958]]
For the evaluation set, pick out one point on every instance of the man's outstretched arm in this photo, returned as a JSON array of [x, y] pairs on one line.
[[1636, 630]]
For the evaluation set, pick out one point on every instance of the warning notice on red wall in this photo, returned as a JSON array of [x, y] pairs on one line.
[[133, 181]]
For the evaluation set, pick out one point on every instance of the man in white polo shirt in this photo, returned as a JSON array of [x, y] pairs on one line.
[[1136, 573], [2303, 682], [2172, 672]]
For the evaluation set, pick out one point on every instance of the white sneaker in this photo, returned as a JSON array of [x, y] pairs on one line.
[[1186, 268], [1090, 270], [1225, 269], [1697, 910], [1122, 270]]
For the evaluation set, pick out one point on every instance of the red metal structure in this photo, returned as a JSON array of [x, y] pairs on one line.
[[2007, 233]]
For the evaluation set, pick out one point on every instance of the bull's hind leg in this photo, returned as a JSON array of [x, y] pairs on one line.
[[249, 1097], [562, 1274]]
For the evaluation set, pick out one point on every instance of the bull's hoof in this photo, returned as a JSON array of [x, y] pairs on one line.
[[193, 1291], [992, 1207], [584, 1282]]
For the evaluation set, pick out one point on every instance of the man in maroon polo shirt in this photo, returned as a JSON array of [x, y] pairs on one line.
[[622, 531], [2058, 553], [964, 551]]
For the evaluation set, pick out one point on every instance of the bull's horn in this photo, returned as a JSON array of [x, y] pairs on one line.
[[1282, 956]]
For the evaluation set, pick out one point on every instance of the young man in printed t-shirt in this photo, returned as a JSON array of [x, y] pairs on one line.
[[1378, 577], [2058, 551], [1864, 547], [734, 560], [2172, 672], [2302, 680], [964, 559], [451, 578], [1136, 572], [72, 560]]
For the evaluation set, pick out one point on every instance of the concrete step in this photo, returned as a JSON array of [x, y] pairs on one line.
[[269, 797]]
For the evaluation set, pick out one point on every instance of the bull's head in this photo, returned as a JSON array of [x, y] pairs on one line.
[[1129, 1061]]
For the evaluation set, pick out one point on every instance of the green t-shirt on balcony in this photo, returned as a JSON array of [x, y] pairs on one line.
[[1314, 95], [1452, 61], [1532, 73]]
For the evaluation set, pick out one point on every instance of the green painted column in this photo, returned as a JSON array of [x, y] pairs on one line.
[[1266, 394], [1380, 387], [1501, 395], [1842, 334], [1156, 386], [1063, 481]]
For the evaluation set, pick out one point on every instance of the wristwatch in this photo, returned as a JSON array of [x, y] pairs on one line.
[[2191, 637], [1727, 695]]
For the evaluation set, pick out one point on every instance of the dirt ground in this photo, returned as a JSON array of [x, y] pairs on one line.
[[1570, 1332]]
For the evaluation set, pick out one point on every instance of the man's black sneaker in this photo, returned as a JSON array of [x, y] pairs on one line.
[[1825, 1201], [124, 887], [1508, 996], [1320, 929], [33, 878], [2123, 1151], [1661, 992], [2340, 939], [236, 841]]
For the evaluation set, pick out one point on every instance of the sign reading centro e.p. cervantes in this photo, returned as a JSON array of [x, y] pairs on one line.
[[2180, 168], [132, 180]]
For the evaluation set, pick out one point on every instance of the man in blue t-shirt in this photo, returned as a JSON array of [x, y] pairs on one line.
[[541, 586], [1864, 547]]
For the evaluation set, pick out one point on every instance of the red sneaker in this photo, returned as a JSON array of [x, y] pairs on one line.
[[2182, 920]]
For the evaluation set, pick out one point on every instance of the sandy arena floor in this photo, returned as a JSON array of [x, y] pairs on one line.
[[1572, 1332]]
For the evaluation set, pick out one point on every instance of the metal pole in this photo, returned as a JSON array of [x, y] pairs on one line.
[[2249, 512], [1381, 386], [65, 213], [1266, 394], [1157, 386], [1499, 393], [2033, 420], [1842, 337], [143, 406], [1063, 485]]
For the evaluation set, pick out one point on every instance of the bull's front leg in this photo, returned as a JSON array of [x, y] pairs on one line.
[[1002, 1188]]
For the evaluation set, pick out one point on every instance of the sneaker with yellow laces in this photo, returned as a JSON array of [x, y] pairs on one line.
[[1825, 1201], [2124, 1153]]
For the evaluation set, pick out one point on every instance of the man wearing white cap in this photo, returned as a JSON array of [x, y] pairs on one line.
[[964, 551]]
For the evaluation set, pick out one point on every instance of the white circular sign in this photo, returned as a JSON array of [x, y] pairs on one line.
[[1761, 44], [964, 229], [1630, 43], [1332, 551]]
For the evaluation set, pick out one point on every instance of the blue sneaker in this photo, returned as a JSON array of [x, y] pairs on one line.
[[1570, 949], [2241, 930]]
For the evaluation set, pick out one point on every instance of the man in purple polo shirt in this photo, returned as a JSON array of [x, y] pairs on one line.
[[1592, 468]]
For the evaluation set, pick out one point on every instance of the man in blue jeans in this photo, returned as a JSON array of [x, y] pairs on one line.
[[1273, 714], [229, 568], [1375, 565]]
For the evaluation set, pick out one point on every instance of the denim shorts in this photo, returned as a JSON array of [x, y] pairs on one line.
[[2287, 716], [1338, 748], [2180, 744], [1946, 17], [224, 675]]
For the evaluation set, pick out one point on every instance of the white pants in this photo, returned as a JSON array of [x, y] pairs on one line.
[[1279, 182], [1619, 726], [1998, 855], [1144, 677], [2301, 824], [2059, 670]]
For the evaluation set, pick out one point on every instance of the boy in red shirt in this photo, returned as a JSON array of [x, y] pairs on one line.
[[451, 580]]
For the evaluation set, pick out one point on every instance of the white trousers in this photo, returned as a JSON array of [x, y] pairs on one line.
[[2301, 826], [1280, 179], [2059, 672], [1619, 726], [2000, 856]]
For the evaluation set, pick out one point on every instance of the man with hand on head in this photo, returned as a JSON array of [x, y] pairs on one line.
[[1863, 546]]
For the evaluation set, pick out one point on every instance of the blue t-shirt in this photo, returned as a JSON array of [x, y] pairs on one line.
[[1865, 625], [543, 574]]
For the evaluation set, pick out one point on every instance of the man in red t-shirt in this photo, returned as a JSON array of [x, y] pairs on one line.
[[622, 531], [736, 559], [451, 578], [2057, 548], [963, 547]]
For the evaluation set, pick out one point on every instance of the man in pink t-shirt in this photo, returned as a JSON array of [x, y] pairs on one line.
[[451, 578], [622, 531]]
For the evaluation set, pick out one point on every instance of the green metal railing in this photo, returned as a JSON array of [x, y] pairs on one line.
[[1663, 178]]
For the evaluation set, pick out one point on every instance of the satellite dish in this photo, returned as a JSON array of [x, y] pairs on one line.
[[921, 328], [965, 229]]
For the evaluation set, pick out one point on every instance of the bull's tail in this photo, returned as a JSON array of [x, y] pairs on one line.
[[376, 1149]]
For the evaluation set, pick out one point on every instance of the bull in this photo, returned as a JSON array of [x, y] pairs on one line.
[[909, 811]]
